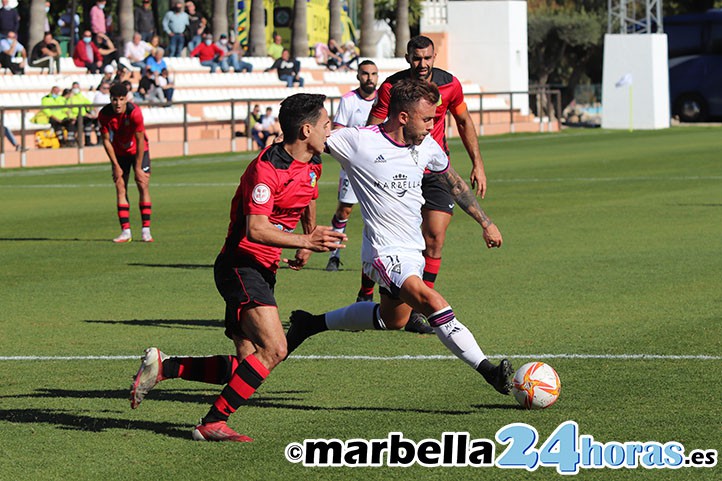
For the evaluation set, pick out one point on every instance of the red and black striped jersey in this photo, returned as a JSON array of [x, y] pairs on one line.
[[123, 128], [452, 98], [277, 186]]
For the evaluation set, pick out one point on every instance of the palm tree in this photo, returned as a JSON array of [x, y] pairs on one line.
[[37, 23], [334, 24], [299, 35], [367, 46], [403, 33], [257, 35], [220, 17], [125, 20]]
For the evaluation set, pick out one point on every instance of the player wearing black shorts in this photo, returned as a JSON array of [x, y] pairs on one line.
[[277, 190]]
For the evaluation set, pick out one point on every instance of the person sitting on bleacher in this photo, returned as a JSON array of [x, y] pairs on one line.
[[288, 69], [107, 49], [209, 54], [233, 56], [275, 49], [148, 91], [10, 52], [165, 82], [102, 98], [136, 52], [123, 74], [265, 131], [46, 54], [56, 114], [87, 55], [156, 63], [78, 98]]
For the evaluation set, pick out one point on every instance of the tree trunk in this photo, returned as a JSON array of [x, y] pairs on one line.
[[368, 46], [299, 34], [220, 17], [126, 23], [257, 35], [403, 33], [334, 24], [37, 24]]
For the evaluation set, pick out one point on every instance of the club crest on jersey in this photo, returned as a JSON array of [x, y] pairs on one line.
[[414, 155], [261, 194], [314, 178]]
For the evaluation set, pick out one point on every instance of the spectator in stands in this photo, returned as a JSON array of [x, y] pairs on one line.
[[136, 51], [253, 118], [275, 49], [97, 18], [56, 114], [129, 88], [145, 21], [102, 98], [108, 75], [349, 56], [156, 63], [148, 91], [78, 98], [9, 20], [11, 138], [325, 57], [233, 56], [46, 54], [123, 74], [209, 54], [87, 55], [107, 49], [154, 45], [175, 23], [288, 69], [66, 20], [265, 131], [12, 54], [165, 82], [196, 26]]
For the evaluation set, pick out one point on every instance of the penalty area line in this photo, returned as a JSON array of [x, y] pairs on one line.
[[623, 357]]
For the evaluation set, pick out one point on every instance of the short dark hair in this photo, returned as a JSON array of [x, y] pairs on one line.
[[406, 93], [297, 110], [366, 62], [118, 90], [419, 42]]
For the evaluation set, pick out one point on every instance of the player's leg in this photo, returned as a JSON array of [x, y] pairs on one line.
[[433, 226], [122, 203], [263, 328], [453, 334], [346, 201], [142, 180]]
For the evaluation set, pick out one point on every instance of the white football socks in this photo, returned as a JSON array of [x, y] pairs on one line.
[[354, 317], [458, 339]]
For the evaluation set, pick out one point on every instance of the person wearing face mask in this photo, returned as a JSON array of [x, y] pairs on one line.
[[13, 54], [9, 20], [87, 54], [78, 98], [97, 17], [175, 23], [233, 56], [210, 54], [55, 114], [144, 21]]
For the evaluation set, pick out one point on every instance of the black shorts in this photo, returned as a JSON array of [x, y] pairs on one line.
[[437, 195], [127, 162], [242, 286]]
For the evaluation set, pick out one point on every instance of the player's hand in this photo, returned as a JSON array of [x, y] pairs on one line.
[[117, 173], [302, 256], [492, 236], [323, 239], [478, 181]]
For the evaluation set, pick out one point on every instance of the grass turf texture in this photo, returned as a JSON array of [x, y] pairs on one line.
[[612, 245]]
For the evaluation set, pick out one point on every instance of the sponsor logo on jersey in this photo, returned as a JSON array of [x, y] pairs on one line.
[[314, 178]]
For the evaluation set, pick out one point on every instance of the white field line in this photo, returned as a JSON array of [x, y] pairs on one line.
[[622, 357]]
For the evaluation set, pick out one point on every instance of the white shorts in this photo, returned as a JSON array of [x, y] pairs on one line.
[[345, 192], [391, 270]]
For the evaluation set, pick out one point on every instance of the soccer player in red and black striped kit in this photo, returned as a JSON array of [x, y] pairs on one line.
[[277, 190], [439, 201], [125, 141]]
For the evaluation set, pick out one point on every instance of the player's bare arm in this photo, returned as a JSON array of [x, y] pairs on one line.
[[308, 223], [321, 239], [466, 199], [139, 153], [467, 132], [108, 146]]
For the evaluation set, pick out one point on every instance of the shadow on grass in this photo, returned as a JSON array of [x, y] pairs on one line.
[[48, 239], [167, 323], [80, 422], [172, 266]]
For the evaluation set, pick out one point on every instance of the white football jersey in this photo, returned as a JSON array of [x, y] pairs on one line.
[[386, 177], [353, 110]]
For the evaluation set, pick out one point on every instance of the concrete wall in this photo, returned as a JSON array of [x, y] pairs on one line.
[[643, 104]]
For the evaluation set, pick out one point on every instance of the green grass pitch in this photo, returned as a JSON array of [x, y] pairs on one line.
[[612, 250]]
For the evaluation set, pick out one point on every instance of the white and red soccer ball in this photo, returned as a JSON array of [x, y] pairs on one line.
[[536, 385]]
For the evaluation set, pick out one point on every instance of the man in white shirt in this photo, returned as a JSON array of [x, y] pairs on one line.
[[385, 165], [12, 54], [137, 51]]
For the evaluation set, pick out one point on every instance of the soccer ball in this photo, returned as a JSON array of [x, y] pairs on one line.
[[536, 385]]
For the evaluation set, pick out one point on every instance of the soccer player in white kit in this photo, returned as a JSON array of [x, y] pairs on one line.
[[385, 165]]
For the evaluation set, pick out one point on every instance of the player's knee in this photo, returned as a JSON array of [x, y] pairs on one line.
[[276, 353]]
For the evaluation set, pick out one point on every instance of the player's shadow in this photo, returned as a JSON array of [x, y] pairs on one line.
[[166, 323], [48, 239], [172, 266], [80, 422], [498, 406]]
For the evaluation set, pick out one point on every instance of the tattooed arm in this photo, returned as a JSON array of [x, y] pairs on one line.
[[466, 199]]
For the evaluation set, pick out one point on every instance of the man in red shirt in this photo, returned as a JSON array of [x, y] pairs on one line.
[[87, 54], [277, 190], [439, 202], [127, 149], [210, 54]]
